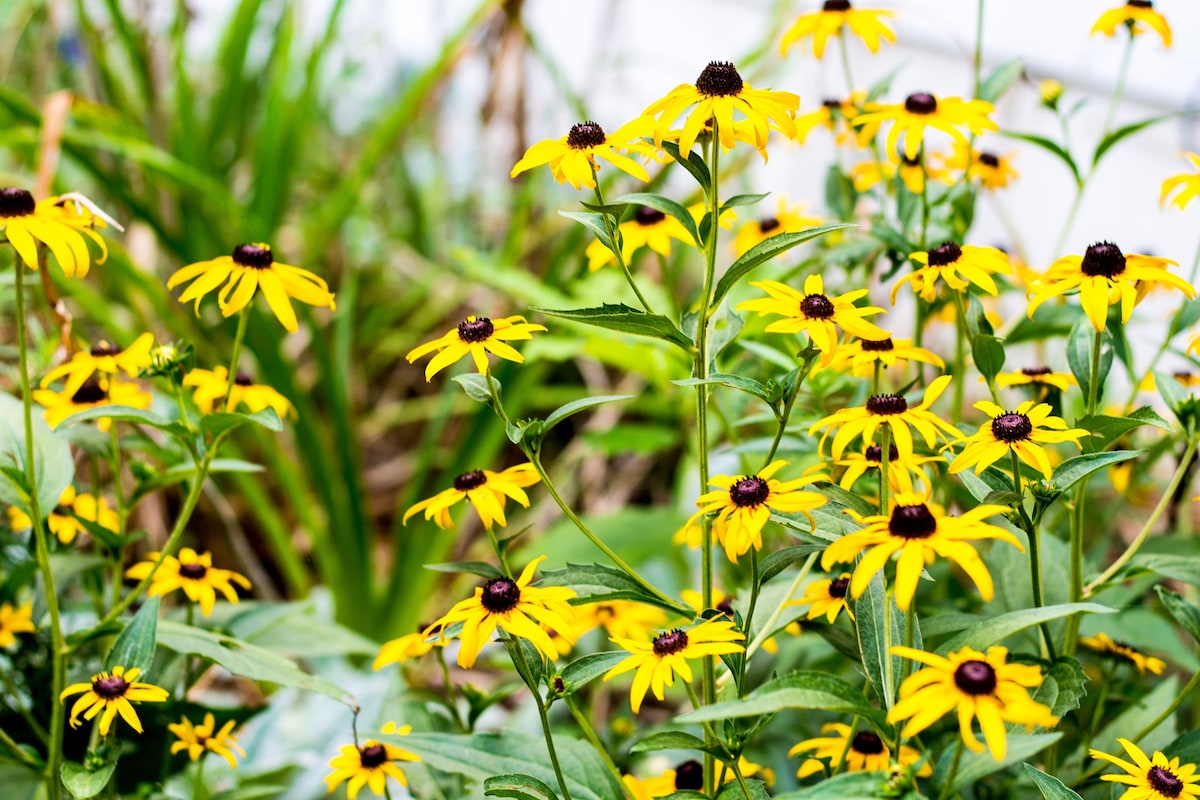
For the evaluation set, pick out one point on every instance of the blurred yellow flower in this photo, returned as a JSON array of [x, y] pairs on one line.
[[211, 385], [1134, 15], [834, 16], [993, 171], [14, 620], [485, 490], [370, 765], [102, 357], [203, 738], [1037, 376], [92, 393], [24, 223], [1186, 185], [1104, 644], [864, 752], [61, 519], [921, 111], [786, 219]]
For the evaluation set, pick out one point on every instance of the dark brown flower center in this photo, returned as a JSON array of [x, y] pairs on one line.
[[975, 677], [920, 103], [1141, 4], [912, 522], [257, 256], [750, 490], [816, 306], [831, 103], [886, 404], [110, 687], [373, 756], [878, 345], [242, 379], [945, 253], [1103, 259], [648, 216], [104, 349], [1033, 372], [768, 224], [989, 160], [16, 203], [838, 586], [474, 330], [671, 642], [874, 453], [90, 392], [192, 571], [1161, 779], [1012, 427], [726, 606], [470, 480], [910, 162], [836, 5], [500, 595], [867, 742], [719, 79], [585, 135], [689, 776]]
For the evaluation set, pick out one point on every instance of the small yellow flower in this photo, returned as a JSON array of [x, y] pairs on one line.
[[102, 357], [92, 393], [484, 490], [865, 752], [370, 765], [651, 788], [827, 598], [624, 619], [61, 519], [1122, 651], [200, 739], [869, 174], [1186, 185], [112, 693], [900, 470], [24, 223], [815, 313], [993, 171], [647, 228], [891, 410], [787, 218], [1037, 376], [1133, 15], [921, 111], [409, 646], [572, 158], [861, 355], [193, 573], [957, 267], [475, 336], [14, 620], [1151, 778], [1020, 431], [866, 24], [210, 386], [838, 117]]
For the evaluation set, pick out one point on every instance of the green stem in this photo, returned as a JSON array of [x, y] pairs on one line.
[[841, 761], [885, 452], [978, 53], [1071, 631], [1119, 89], [1035, 561], [765, 632], [1097, 716], [845, 50], [737, 773], [948, 784], [20, 753], [614, 235], [495, 542], [239, 337], [960, 356], [11, 686], [810, 356], [1169, 710], [589, 733], [924, 202], [1195, 267], [514, 648], [1066, 228], [748, 621]]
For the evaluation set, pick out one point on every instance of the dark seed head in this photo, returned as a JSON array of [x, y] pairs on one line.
[[16, 203], [831, 103], [878, 345], [585, 135], [910, 162], [1141, 4], [373, 756], [470, 480], [912, 522], [874, 453], [110, 687], [726, 606], [867, 742], [836, 5], [886, 404], [945, 253], [975, 677], [671, 642], [1103, 258], [101, 349], [989, 160], [1035, 371], [474, 330], [768, 224], [560, 686], [242, 379], [1012, 427], [90, 392], [816, 306], [192, 571], [1162, 780], [750, 490], [689, 776], [719, 79], [500, 595], [838, 587], [257, 256], [648, 216], [920, 103]]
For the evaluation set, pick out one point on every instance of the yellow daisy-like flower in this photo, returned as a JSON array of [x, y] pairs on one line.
[[370, 765], [866, 24], [717, 94], [866, 175], [1037, 376], [918, 532], [61, 519], [724, 603], [838, 117], [657, 662], [409, 646], [103, 357], [648, 228], [518, 609], [210, 386], [24, 223], [651, 788], [1105, 276], [475, 336], [93, 393], [743, 505], [861, 355], [827, 598], [112, 693], [1186, 186], [625, 619], [253, 267], [1133, 15], [1151, 778], [572, 158], [977, 686], [900, 470], [786, 219], [14, 620], [815, 313], [1102, 643], [1020, 431], [891, 410], [1050, 90], [991, 170], [865, 752], [921, 111], [484, 490], [193, 573], [204, 738], [957, 267]]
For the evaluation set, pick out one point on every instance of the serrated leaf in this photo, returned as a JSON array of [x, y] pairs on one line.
[[1186, 614], [586, 669], [996, 629], [1063, 686], [1073, 470], [1000, 80], [1051, 147], [481, 568], [747, 385], [764, 251], [668, 207], [620, 317], [669, 740], [594, 222], [575, 406], [1106, 430], [135, 646], [222, 422], [140, 416], [1050, 787], [514, 785], [988, 353], [802, 689], [847, 786], [53, 467]]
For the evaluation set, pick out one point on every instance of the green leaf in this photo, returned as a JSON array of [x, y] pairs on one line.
[[974, 766], [476, 386], [1063, 686], [1112, 138], [481, 568], [693, 163], [669, 740], [1106, 430], [620, 317], [1073, 470], [575, 406], [1187, 316], [847, 786], [764, 251], [1186, 614], [84, 783], [840, 195], [140, 416], [514, 785], [875, 611], [1051, 147], [1079, 354], [1000, 80], [1172, 391], [53, 467], [988, 352], [586, 669], [747, 385], [668, 207], [222, 422], [732, 790], [593, 222], [996, 629], [743, 200], [778, 561], [802, 689], [595, 583], [135, 646], [1050, 787]]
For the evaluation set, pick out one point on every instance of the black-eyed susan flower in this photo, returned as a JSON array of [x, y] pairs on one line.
[[719, 91], [723, 603], [826, 598], [788, 218], [837, 116], [1105, 276], [743, 505], [624, 619], [922, 111], [14, 620], [484, 490], [193, 573], [815, 313], [475, 336], [94, 392], [1134, 15], [919, 531], [651, 788], [1151, 777], [866, 175], [518, 609], [976, 686], [1104, 644], [649, 227], [861, 355], [901, 471], [991, 170], [370, 765], [62, 520], [572, 158], [1185, 187], [211, 385], [105, 358], [958, 266], [112, 693], [251, 268], [866, 24], [864, 751], [1021, 431], [657, 662], [891, 410], [409, 646], [204, 738], [24, 223], [1037, 376]]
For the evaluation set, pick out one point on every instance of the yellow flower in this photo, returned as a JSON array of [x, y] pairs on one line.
[[920, 111], [826, 597], [786, 219], [484, 490], [1037, 376], [976, 685], [193, 573], [900, 470], [60, 520], [815, 313], [102, 357], [1187, 184], [957, 267], [625, 619], [657, 662], [724, 603], [1102, 643], [866, 24], [1105, 276], [838, 116], [572, 158], [370, 765], [112, 693], [411, 645], [861, 355], [14, 620], [718, 92], [650, 788], [24, 223], [92, 393], [1134, 14], [869, 174], [648, 228], [743, 505], [1020, 431], [891, 410], [199, 739], [865, 752], [475, 336], [253, 267], [991, 170], [918, 532], [518, 609], [1153, 778], [1050, 90], [211, 385]]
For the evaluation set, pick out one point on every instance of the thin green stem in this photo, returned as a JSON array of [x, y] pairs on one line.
[[845, 50], [122, 512], [809, 355], [841, 760], [1066, 228], [589, 733], [747, 623], [238, 339], [614, 235], [948, 784], [514, 648], [1119, 88], [1035, 561], [978, 52], [1094, 374], [1097, 716], [885, 452], [20, 753], [764, 633], [960, 356], [1071, 630], [1195, 270], [1169, 710], [495, 542], [737, 773]]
